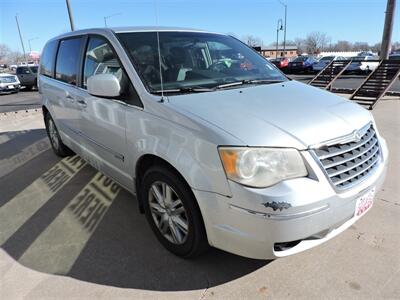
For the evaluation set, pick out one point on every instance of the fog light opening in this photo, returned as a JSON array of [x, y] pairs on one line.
[[286, 245]]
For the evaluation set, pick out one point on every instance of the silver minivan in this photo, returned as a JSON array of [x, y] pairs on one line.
[[219, 147]]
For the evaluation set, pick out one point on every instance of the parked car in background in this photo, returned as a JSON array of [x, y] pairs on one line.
[[27, 76], [394, 56], [301, 64], [362, 64], [218, 145], [280, 62], [27, 63], [324, 61], [13, 67], [9, 83]]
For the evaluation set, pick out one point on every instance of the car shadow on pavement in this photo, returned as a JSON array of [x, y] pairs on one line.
[[124, 252], [45, 226]]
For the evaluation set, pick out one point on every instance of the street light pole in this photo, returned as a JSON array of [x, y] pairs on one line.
[[388, 29], [284, 32], [277, 36], [71, 19], [20, 37], [107, 17], [29, 42]]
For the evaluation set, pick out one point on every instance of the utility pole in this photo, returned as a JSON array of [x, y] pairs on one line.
[[284, 32], [388, 29], [71, 19], [20, 37]]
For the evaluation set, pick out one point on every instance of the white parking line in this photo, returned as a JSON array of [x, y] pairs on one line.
[[56, 249], [19, 209], [5, 137], [7, 165]]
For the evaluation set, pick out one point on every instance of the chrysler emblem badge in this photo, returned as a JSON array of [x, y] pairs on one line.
[[357, 136]]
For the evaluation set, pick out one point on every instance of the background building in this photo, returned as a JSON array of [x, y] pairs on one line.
[[290, 51]]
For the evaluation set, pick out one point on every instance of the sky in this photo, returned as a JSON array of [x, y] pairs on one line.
[[353, 20]]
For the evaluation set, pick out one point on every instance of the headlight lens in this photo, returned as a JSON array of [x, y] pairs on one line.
[[261, 167]]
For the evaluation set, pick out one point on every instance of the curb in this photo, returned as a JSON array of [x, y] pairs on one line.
[[19, 114]]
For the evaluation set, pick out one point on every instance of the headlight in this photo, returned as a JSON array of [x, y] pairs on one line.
[[261, 167]]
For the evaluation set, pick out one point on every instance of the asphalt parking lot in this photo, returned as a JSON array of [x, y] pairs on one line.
[[19, 101], [61, 237]]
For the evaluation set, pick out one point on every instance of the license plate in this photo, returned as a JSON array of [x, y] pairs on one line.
[[364, 203], [10, 86]]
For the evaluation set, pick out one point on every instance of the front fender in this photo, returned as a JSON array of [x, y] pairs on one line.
[[185, 145]]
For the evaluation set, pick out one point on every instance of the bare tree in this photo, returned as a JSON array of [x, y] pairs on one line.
[[252, 40], [396, 46], [4, 52], [343, 46], [376, 47], [316, 42], [301, 45], [361, 46], [15, 57]]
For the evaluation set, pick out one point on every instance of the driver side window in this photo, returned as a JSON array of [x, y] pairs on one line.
[[100, 58]]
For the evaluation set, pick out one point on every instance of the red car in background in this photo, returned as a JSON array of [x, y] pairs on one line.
[[280, 62]]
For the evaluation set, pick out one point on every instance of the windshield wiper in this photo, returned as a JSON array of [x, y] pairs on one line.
[[246, 81], [185, 90]]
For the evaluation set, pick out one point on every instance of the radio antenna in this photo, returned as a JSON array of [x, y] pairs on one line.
[[159, 51]]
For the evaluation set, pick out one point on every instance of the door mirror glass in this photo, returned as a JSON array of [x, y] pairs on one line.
[[104, 85]]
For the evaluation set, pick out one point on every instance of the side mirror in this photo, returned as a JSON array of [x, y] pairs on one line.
[[104, 85]]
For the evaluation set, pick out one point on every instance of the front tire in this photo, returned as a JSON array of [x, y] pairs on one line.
[[173, 213], [56, 143]]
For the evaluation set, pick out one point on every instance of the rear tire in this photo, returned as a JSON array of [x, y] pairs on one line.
[[173, 213], [56, 143]]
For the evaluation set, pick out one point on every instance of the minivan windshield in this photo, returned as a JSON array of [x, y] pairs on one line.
[[193, 61]]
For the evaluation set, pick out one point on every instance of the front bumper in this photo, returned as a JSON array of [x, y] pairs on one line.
[[10, 88], [301, 213]]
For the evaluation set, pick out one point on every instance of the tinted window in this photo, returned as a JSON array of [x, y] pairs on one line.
[[300, 58], [68, 60], [34, 69], [23, 70], [100, 58], [47, 59]]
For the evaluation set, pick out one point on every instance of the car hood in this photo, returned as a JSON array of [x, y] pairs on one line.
[[322, 63], [289, 114]]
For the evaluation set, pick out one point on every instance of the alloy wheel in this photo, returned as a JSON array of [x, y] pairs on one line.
[[168, 212], [53, 134]]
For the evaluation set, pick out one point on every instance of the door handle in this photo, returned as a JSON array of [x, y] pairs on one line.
[[82, 103]]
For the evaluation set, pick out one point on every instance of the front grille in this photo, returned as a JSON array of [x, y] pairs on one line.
[[347, 164]]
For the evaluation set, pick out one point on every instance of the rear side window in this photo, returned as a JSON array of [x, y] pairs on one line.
[[47, 59], [68, 60]]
